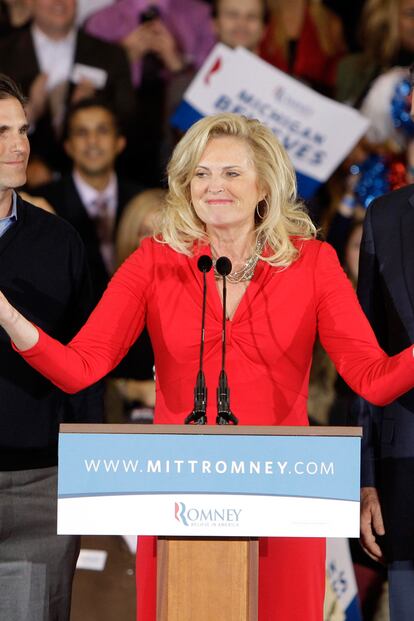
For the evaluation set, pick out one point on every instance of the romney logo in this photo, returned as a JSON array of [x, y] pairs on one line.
[[180, 510], [206, 516]]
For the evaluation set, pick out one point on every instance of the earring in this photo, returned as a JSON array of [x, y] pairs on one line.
[[259, 206]]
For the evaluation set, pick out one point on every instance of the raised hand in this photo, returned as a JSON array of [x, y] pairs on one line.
[[137, 43], [84, 90], [165, 45]]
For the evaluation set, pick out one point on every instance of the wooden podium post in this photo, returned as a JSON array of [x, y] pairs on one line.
[[207, 578]]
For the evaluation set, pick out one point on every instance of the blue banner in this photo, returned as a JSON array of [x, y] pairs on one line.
[[308, 467]]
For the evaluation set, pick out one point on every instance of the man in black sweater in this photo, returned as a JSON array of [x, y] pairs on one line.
[[43, 270]]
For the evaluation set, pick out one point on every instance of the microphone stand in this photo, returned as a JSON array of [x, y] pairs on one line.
[[198, 416], [224, 415]]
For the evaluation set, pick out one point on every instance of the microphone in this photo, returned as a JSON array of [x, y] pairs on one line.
[[224, 414], [198, 415]]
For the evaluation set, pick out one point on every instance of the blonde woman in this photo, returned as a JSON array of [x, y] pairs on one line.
[[134, 377], [387, 39], [139, 220], [233, 193]]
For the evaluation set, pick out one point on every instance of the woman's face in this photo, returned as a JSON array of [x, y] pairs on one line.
[[406, 24], [225, 187]]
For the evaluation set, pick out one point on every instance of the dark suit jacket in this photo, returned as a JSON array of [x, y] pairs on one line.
[[386, 292], [18, 60], [65, 199]]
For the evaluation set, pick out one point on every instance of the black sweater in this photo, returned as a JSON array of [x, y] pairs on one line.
[[44, 275]]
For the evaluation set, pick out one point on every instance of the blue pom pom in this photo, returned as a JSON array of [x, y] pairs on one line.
[[373, 180], [400, 108]]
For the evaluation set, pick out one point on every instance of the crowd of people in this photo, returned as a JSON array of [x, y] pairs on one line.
[[101, 80], [138, 57]]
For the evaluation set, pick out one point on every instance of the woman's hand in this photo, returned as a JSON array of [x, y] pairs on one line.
[[8, 314], [23, 333], [164, 44], [137, 43]]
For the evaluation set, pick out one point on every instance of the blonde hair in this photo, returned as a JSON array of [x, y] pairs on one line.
[[379, 30], [132, 219], [280, 215]]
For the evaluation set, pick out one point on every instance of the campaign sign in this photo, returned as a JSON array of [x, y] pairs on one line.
[[318, 133], [215, 484], [341, 575]]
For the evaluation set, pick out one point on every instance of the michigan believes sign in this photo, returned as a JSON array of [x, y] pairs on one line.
[[318, 133]]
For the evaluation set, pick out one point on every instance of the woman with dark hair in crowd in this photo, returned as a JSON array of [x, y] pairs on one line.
[[134, 376]]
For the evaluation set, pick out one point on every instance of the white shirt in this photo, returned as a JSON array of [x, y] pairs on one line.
[[91, 198], [55, 58]]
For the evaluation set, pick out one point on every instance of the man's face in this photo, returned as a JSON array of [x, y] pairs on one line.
[[54, 17], [93, 142], [14, 144], [240, 22]]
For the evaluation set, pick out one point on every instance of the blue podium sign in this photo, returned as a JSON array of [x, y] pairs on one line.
[[163, 482]]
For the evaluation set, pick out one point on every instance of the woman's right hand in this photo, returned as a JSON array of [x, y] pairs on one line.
[[23, 333], [8, 314]]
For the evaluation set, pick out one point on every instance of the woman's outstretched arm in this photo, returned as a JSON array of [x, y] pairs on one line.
[[104, 339]]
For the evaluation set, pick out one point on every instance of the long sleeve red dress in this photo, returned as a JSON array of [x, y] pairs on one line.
[[270, 341]]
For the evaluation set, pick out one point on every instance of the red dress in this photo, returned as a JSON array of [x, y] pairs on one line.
[[270, 342]]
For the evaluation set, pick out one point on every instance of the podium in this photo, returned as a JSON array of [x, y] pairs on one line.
[[208, 493], [207, 578]]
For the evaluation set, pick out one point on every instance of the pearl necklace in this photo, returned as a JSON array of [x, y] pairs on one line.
[[247, 271]]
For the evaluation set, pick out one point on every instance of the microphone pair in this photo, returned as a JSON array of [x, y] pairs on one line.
[[224, 415]]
